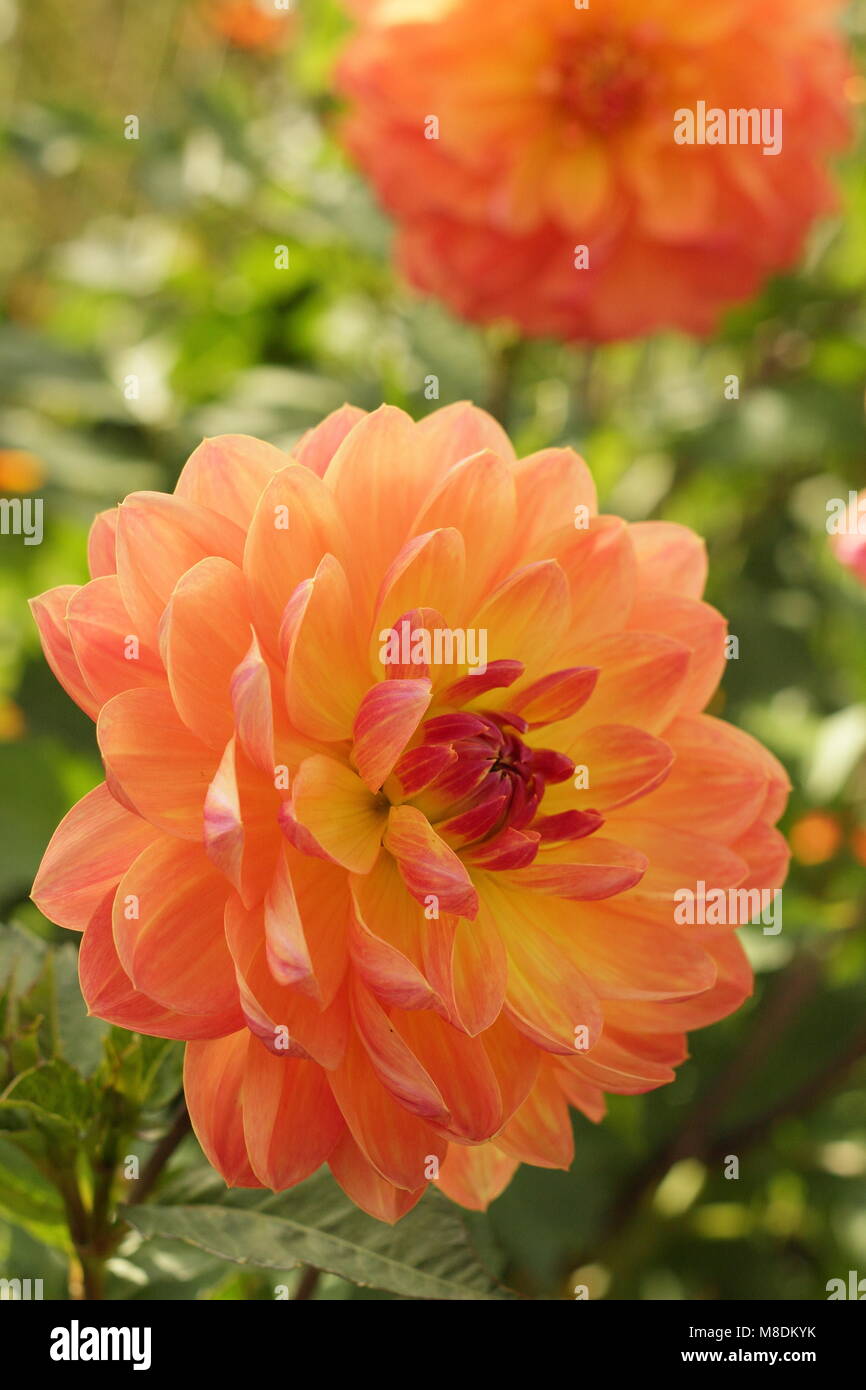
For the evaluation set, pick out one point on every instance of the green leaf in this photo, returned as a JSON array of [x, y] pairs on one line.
[[427, 1255]]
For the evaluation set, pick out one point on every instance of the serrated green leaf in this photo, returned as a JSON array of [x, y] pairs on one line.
[[427, 1255]]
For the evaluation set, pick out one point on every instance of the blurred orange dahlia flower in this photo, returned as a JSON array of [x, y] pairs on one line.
[[527, 151], [406, 902]]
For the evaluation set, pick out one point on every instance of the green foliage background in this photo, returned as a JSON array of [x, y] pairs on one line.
[[156, 257]]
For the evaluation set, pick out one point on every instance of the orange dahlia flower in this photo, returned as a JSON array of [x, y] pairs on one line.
[[404, 761], [527, 151]]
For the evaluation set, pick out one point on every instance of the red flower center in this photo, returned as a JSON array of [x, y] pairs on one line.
[[601, 83]]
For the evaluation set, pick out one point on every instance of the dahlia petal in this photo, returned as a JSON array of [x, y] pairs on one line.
[[378, 473], [510, 849], [90, 850], [159, 538], [477, 496], [317, 447], [586, 1098], [253, 706], [109, 654], [641, 681], [454, 432], [343, 816], [386, 936], [390, 713], [429, 571], [468, 967], [678, 859], [551, 485], [617, 947], [699, 627], [294, 525], [547, 996], [585, 871], [287, 1022], [421, 766], [474, 1176], [102, 543], [322, 696], [529, 614], [228, 474], [555, 696], [732, 777], [428, 866], [515, 1060], [621, 1069], [110, 994], [394, 1061], [213, 1079], [400, 1146], [153, 760], [540, 1132], [367, 1188], [498, 675], [287, 950], [461, 1070], [599, 565], [618, 764], [766, 854], [168, 930], [241, 833], [670, 558], [204, 635], [49, 614], [291, 1121]]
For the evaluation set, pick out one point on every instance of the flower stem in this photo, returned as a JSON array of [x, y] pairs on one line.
[[306, 1284]]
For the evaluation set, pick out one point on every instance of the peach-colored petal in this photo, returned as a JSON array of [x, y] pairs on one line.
[[294, 525], [388, 716], [213, 1079], [475, 1176], [291, 1121], [110, 655], [547, 996], [398, 1145], [367, 1188], [168, 930], [670, 557], [204, 635], [342, 815], [90, 850], [159, 538], [49, 614], [109, 993], [154, 762], [477, 497], [325, 674], [467, 965], [229, 473], [102, 544], [429, 867], [317, 447]]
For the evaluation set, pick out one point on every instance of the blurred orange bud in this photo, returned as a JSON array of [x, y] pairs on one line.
[[12, 722], [858, 843], [252, 24], [20, 471], [816, 837]]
